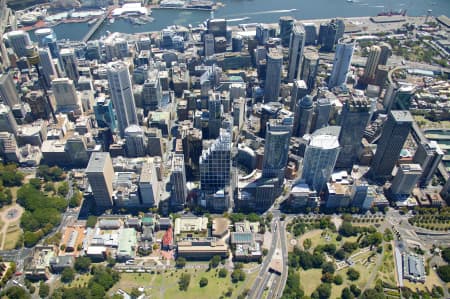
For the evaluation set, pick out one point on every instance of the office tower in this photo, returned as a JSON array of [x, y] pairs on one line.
[[276, 148], [178, 181], [154, 142], [148, 185], [262, 33], [209, 44], [76, 148], [215, 170], [70, 64], [19, 40], [134, 141], [341, 63], [66, 96], [309, 69], [310, 33], [116, 47], [356, 114], [217, 27], [215, 115], [322, 111], [268, 111], [121, 92], [7, 121], [386, 52], [393, 137], [9, 151], [299, 91], [8, 91], [151, 92], [104, 114], [42, 34], [428, 155], [303, 116], [405, 180], [358, 195], [239, 112], [93, 50], [237, 43], [273, 75], [286, 24], [320, 157], [100, 174], [296, 47], [372, 63], [47, 66], [340, 28]]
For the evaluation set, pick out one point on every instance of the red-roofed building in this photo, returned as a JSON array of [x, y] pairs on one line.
[[167, 240]]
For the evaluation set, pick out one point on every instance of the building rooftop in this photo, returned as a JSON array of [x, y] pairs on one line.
[[97, 162], [127, 242]]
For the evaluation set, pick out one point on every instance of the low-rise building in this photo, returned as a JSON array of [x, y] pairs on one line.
[[127, 244], [413, 267], [37, 266], [190, 224], [202, 248]]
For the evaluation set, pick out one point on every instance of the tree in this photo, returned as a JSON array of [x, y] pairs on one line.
[[180, 262], [237, 275], [184, 281], [203, 282], [63, 189], [355, 290], [352, 274], [67, 275], [328, 267], [91, 221], [223, 272], [82, 264], [372, 294], [49, 187], [36, 183], [323, 291], [15, 292], [307, 243], [444, 272], [446, 254], [347, 294], [215, 261], [338, 280], [44, 290]]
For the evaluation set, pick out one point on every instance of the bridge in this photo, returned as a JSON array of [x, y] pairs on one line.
[[94, 28]]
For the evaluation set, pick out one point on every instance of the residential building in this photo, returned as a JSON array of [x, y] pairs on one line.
[[341, 63]]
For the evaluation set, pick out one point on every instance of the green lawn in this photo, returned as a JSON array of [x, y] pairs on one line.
[[12, 236], [310, 280], [386, 271], [165, 285]]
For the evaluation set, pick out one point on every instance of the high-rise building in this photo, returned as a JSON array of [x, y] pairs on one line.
[[268, 111], [178, 181], [8, 147], [209, 44], [276, 148], [405, 180], [320, 157], [215, 115], [122, 96], [322, 112], [239, 112], [341, 63], [76, 148], [296, 47], [273, 75], [47, 65], [7, 121], [100, 174], [134, 141], [299, 90], [372, 63], [386, 52], [303, 116], [42, 35], [8, 91], [262, 33], [65, 94], [151, 92], [217, 27], [428, 155], [116, 47], [104, 114], [355, 117], [393, 137], [19, 40], [70, 64], [148, 185], [286, 24], [310, 33], [215, 171], [309, 69]]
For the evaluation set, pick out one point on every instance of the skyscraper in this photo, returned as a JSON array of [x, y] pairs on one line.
[[310, 66], [355, 117], [7, 121], [152, 92], [104, 114], [46, 63], [393, 137], [178, 181], [215, 115], [273, 75], [66, 96], [320, 157], [8, 91], [286, 24], [19, 40], [70, 64], [296, 47], [428, 155], [372, 63], [122, 96], [303, 116], [386, 52], [310, 33], [341, 63], [148, 185], [322, 112], [405, 180], [276, 148], [42, 36], [215, 171], [100, 174], [134, 141], [209, 44]]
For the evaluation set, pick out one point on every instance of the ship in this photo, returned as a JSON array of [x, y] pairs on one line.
[[390, 13]]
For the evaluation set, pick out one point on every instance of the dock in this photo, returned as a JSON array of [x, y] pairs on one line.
[[94, 28]]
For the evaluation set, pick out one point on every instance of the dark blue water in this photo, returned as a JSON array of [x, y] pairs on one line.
[[267, 11]]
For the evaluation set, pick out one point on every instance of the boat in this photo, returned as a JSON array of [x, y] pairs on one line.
[[350, 1], [390, 13], [92, 22], [112, 20]]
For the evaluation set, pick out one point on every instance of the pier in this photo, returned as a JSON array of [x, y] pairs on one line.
[[94, 28]]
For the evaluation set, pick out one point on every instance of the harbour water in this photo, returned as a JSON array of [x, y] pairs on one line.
[[267, 11]]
